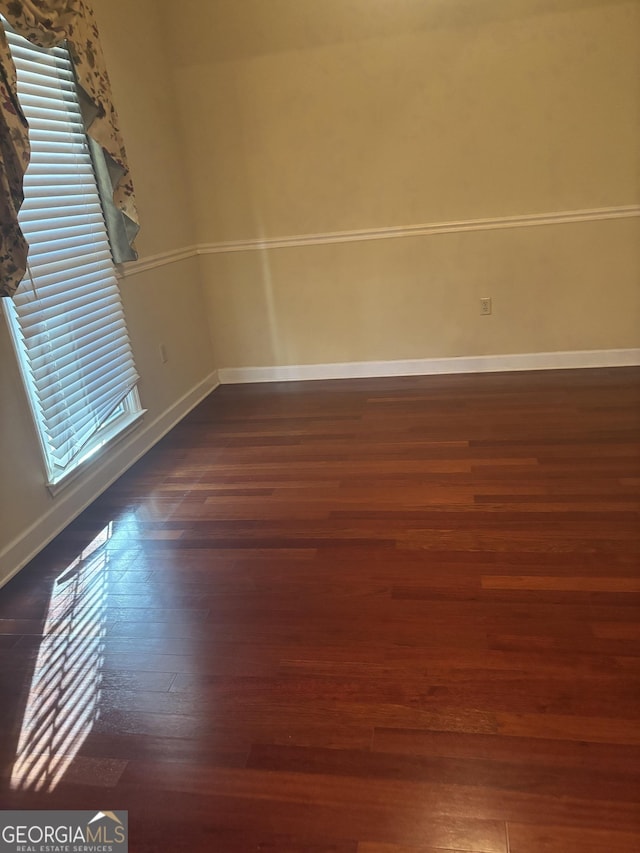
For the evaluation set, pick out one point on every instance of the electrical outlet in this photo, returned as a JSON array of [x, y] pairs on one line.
[[485, 305], [164, 358]]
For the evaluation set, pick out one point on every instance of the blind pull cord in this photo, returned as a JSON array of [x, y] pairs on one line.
[[32, 280]]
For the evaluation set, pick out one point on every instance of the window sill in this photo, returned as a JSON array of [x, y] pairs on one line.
[[110, 436]]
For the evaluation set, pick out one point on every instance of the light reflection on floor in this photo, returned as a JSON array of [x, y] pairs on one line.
[[65, 689]]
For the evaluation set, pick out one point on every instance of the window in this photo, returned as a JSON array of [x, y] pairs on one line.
[[66, 318]]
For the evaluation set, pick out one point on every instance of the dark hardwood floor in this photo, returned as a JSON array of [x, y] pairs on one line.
[[383, 616]]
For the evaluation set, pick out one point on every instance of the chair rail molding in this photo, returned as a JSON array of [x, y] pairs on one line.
[[599, 214], [422, 230]]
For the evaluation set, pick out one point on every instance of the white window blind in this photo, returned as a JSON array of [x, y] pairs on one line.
[[67, 318]]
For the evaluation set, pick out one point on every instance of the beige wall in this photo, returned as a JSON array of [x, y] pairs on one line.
[[556, 288], [162, 305], [307, 118]]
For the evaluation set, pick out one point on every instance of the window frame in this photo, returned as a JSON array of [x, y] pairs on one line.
[[129, 412]]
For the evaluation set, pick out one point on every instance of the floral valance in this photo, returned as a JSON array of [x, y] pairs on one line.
[[48, 23]]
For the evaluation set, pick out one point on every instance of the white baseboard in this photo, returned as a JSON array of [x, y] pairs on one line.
[[78, 496], [431, 366]]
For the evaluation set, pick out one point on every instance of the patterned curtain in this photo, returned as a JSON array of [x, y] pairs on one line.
[[47, 23]]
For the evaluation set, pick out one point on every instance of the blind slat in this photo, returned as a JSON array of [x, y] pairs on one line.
[[67, 356], [69, 343], [48, 274], [79, 385]]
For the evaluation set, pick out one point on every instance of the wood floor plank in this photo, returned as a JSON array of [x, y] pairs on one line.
[[488, 774], [524, 838], [570, 584], [366, 847]]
